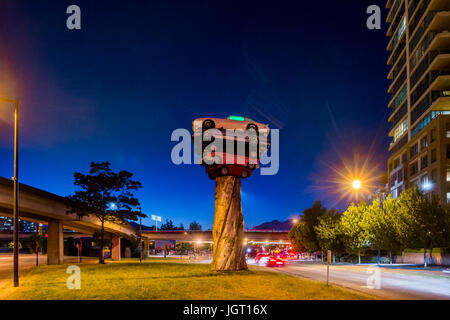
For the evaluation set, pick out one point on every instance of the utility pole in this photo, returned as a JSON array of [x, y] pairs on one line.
[[16, 189], [140, 234]]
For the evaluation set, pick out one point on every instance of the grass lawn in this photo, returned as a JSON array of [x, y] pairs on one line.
[[171, 280]]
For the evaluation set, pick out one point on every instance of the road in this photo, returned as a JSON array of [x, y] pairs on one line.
[[396, 282], [26, 261]]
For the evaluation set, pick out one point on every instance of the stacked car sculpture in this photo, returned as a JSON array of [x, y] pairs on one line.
[[231, 146]]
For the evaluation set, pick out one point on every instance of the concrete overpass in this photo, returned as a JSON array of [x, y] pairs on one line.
[[251, 236], [47, 208]]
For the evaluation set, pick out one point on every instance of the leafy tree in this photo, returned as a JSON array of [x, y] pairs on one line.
[[329, 232], [184, 246], [107, 195], [354, 228], [407, 225], [195, 226], [380, 217], [422, 222], [34, 239], [303, 235], [435, 223]]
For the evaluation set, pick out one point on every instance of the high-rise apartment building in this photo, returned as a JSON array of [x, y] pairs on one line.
[[419, 48]]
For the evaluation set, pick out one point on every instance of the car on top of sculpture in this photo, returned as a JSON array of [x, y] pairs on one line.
[[237, 123], [219, 158]]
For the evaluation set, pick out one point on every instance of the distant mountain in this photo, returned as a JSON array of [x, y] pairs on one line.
[[275, 225]]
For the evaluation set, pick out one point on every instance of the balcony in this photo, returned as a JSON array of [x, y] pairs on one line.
[[398, 51], [440, 41], [441, 82], [395, 70], [398, 114], [393, 11], [396, 146], [397, 83], [441, 61], [433, 21], [398, 97], [441, 102]]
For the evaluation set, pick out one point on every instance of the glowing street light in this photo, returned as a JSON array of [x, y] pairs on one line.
[[356, 184], [112, 206], [426, 186]]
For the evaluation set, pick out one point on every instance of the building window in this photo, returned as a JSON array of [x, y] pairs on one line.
[[400, 176], [433, 155], [448, 197], [396, 163], [394, 194], [434, 176], [414, 168], [401, 96], [433, 135], [448, 151], [448, 173], [404, 158], [424, 162], [401, 129], [447, 130], [423, 143], [415, 150]]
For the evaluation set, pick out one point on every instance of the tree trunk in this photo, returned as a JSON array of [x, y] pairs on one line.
[[102, 243], [378, 256], [390, 256], [228, 226], [359, 257], [334, 258]]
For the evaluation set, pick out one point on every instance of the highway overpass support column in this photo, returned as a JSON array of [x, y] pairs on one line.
[[55, 242], [115, 252]]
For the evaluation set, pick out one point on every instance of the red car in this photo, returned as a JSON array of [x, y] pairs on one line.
[[215, 157], [276, 261], [262, 258], [215, 171]]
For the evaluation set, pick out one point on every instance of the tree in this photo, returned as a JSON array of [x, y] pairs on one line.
[[424, 223], [107, 195], [168, 225], [303, 234], [35, 241], [380, 217], [435, 223], [329, 232], [195, 226], [354, 228]]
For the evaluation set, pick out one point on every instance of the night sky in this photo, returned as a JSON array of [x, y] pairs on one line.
[[137, 70]]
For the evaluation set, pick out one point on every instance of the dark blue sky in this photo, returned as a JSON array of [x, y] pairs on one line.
[[115, 90]]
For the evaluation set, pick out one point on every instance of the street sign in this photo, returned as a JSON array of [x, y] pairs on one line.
[[156, 218], [329, 257]]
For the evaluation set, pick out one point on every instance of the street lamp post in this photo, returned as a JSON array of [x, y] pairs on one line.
[[16, 189]]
